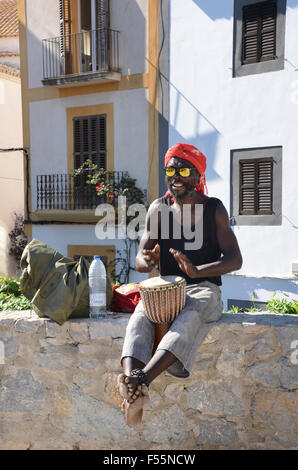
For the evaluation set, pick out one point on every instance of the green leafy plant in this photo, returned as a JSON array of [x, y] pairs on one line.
[[121, 260], [105, 185], [275, 305], [234, 309], [11, 297], [253, 308], [282, 305]]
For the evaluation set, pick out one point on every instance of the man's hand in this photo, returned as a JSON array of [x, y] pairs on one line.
[[184, 264], [152, 256]]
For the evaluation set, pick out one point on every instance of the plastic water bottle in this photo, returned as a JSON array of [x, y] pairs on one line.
[[97, 288]]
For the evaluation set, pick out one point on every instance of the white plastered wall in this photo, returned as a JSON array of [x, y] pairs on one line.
[[216, 112], [11, 167]]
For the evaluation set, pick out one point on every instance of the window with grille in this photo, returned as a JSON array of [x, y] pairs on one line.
[[256, 186], [259, 36], [90, 140], [89, 134], [259, 32]]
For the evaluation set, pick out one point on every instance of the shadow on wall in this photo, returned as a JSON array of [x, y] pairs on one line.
[[216, 9], [292, 3], [204, 134]]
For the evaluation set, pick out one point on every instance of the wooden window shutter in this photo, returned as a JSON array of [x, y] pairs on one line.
[[264, 186], [65, 19], [90, 140], [256, 186], [259, 32], [102, 14], [102, 35], [65, 32], [268, 31]]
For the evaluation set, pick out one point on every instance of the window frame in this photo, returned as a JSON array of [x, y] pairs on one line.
[[99, 109], [100, 153], [240, 69], [257, 154], [109, 251], [255, 186]]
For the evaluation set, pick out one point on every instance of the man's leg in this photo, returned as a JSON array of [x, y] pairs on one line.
[[138, 396], [128, 385], [159, 362], [136, 352], [203, 306]]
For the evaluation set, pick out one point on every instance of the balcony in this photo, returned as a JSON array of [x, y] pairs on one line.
[[66, 192], [63, 197], [87, 56]]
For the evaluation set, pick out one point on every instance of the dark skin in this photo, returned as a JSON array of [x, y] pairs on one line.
[[182, 188]]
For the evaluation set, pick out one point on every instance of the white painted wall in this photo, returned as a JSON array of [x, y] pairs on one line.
[[216, 112], [49, 134], [130, 18], [42, 23], [60, 236], [127, 16], [11, 167]]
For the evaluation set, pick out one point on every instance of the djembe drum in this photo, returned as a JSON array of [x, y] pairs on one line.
[[163, 299]]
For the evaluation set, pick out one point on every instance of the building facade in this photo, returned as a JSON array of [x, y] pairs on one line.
[[147, 74], [11, 163], [233, 94], [89, 90]]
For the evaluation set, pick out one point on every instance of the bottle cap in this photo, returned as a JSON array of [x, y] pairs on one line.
[[96, 257]]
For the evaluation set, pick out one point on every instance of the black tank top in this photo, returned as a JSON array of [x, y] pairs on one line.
[[208, 253]]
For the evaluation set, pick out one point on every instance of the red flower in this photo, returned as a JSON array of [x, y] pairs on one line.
[[111, 195], [98, 188]]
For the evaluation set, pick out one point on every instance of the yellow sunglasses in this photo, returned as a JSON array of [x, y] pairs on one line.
[[170, 171]]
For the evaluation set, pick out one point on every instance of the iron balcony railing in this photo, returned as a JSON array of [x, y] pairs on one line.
[[64, 191], [81, 53]]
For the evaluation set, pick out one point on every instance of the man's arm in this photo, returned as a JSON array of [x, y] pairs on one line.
[[231, 259], [149, 250]]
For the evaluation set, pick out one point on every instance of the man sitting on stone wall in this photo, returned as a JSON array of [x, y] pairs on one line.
[[202, 268]]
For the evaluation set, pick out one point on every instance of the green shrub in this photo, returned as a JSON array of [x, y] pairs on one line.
[[11, 297], [282, 305]]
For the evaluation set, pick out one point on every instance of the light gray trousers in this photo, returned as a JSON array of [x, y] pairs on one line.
[[203, 307]]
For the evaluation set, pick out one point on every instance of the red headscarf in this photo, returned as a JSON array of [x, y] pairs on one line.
[[195, 157]]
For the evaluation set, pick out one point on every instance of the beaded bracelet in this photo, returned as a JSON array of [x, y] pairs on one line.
[[141, 375]]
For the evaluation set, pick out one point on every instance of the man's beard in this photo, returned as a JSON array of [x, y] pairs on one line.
[[188, 190]]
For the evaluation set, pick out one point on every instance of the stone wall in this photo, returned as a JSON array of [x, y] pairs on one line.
[[58, 387]]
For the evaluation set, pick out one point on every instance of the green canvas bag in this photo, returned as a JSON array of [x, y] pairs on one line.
[[56, 286]]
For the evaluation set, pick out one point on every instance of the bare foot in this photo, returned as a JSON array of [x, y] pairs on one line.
[[134, 410], [128, 387]]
